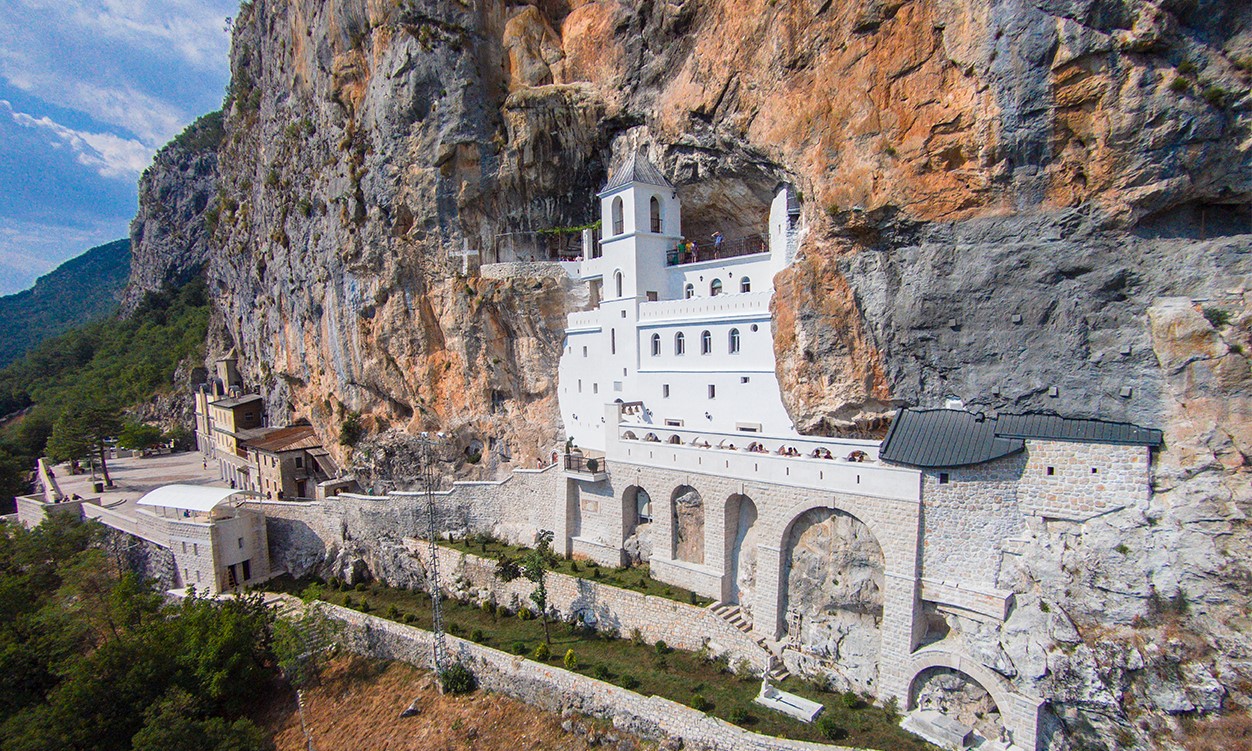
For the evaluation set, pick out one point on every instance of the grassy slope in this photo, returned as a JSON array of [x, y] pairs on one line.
[[79, 291], [676, 675]]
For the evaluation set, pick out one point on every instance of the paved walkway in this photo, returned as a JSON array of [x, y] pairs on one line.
[[135, 476]]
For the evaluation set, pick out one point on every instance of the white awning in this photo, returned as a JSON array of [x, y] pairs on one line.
[[190, 497]]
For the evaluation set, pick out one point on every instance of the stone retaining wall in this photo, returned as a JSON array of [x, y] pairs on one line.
[[677, 624], [557, 690]]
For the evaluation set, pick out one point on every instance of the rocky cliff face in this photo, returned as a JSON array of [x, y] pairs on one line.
[[997, 194], [169, 237]]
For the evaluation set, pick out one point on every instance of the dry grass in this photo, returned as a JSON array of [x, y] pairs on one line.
[[1230, 732], [358, 704]]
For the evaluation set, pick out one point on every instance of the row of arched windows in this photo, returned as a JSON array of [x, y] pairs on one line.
[[706, 343], [654, 215], [715, 288]]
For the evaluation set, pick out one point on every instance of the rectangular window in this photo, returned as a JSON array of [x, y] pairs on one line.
[[665, 391], [617, 385], [943, 478], [184, 548], [241, 543], [197, 576], [580, 385], [612, 341], [584, 351], [595, 388], [744, 379], [712, 391], [247, 570], [299, 462], [1051, 471], [195, 549], [672, 423]]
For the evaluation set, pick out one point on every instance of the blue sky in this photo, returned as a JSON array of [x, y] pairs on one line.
[[88, 92]]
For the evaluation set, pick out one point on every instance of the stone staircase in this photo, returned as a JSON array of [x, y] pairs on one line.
[[733, 614]]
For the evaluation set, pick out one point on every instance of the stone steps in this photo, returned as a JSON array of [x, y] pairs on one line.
[[733, 614]]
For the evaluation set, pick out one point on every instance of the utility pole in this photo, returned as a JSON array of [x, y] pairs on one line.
[[436, 592]]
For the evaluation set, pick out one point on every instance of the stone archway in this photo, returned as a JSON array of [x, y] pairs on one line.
[[637, 525], [742, 536], [959, 696], [833, 591], [687, 523]]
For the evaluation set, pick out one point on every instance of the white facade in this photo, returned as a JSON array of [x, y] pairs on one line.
[[688, 345]]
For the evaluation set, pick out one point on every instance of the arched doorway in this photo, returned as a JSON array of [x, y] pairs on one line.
[[833, 594], [687, 522], [636, 525], [741, 539], [960, 696]]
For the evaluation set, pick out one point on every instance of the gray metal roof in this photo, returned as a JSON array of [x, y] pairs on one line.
[[956, 438], [944, 438], [1057, 428], [236, 401], [636, 169]]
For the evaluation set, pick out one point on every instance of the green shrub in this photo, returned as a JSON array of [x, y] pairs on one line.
[[393, 612], [830, 729], [520, 648], [601, 672], [365, 606], [636, 637], [488, 607], [525, 614], [502, 611], [700, 704], [347, 601], [1216, 96], [542, 653], [350, 429], [851, 700], [477, 635], [661, 647], [457, 679], [455, 628], [361, 587], [1217, 317], [571, 660], [1122, 548], [1187, 68], [410, 618], [738, 715], [1179, 86], [629, 682]]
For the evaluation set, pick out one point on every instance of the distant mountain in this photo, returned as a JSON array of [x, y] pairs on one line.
[[80, 290]]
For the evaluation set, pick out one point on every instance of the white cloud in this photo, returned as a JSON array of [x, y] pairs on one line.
[[31, 249], [109, 155]]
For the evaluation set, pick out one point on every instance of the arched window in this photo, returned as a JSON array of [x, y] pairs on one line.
[[745, 284], [689, 291], [706, 343], [619, 222], [617, 282], [715, 287], [680, 344], [643, 503], [654, 212], [675, 439], [656, 344], [734, 341]]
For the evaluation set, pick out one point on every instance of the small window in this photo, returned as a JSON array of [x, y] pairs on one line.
[[584, 351], [656, 345], [247, 570], [580, 385], [299, 462], [671, 422], [195, 548], [745, 284], [619, 222], [654, 213], [595, 388], [715, 287], [943, 478], [680, 344], [612, 341], [706, 343], [1051, 471], [665, 391], [712, 391], [1095, 471], [689, 291], [734, 341], [745, 379], [241, 543], [618, 282]]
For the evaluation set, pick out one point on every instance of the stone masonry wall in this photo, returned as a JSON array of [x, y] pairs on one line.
[[558, 690], [677, 624], [965, 519], [1086, 480]]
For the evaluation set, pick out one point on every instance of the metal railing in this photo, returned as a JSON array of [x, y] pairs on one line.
[[730, 248], [589, 465]]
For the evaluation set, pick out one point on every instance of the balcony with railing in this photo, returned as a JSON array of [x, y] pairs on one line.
[[590, 468], [735, 247]]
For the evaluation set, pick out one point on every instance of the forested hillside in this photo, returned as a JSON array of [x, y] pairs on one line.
[[115, 363], [79, 291]]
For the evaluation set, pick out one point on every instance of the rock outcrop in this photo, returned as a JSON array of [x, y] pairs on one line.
[[178, 200]]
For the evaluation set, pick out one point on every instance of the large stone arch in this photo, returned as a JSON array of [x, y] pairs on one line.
[[832, 590], [637, 528], [1019, 714], [741, 534], [687, 524]]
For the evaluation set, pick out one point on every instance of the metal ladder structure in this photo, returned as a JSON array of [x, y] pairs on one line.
[[439, 645]]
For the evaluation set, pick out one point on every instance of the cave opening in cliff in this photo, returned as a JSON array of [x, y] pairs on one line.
[[735, 205]]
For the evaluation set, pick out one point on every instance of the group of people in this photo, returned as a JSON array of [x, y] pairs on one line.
[[689, 250]]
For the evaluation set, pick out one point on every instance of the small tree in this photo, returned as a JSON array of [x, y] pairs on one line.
[[139, 436], [534, 565], [83, 429]]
